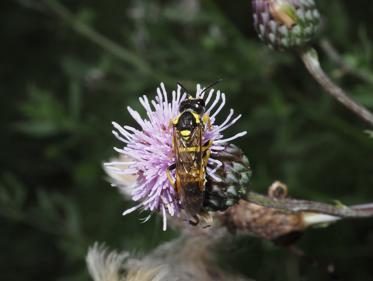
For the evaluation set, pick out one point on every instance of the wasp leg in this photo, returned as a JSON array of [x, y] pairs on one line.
[[194, 221], [206, 119], [206, 150], [205, 218], [168, 172], [206, 147], [171, 124]]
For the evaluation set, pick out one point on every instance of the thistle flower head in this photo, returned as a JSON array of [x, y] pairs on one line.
[[150, 150], [286, 24]]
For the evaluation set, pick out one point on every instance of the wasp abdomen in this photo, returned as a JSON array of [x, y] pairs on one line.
[[193, 197]]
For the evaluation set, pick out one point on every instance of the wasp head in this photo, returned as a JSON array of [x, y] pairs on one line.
[[196, 105]]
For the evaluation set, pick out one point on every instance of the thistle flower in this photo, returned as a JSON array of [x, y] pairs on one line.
[[284, 24], [151, 153]]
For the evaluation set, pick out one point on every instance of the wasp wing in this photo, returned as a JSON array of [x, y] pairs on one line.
[[189, 154], [190, 170]]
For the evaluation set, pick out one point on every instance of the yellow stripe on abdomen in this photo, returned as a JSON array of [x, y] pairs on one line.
[[190, 149]]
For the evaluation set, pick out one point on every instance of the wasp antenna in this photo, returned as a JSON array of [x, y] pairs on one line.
[[180, 85], [211, 85]]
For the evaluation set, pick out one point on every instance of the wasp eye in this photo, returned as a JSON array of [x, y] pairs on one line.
[[199, 106]]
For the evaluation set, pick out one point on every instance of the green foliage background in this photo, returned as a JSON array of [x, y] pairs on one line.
[[60, 90]]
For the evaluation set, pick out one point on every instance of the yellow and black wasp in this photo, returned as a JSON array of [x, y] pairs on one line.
[[192, 155]]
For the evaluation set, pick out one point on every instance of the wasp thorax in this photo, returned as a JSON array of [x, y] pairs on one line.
[[187, 121]]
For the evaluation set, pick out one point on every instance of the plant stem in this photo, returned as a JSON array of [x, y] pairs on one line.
[[311, 61], [295, 205]]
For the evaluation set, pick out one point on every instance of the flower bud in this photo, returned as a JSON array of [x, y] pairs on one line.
[[286, 24], [234, 180]]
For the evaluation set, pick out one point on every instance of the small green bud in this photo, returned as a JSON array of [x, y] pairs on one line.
[[286, 24]]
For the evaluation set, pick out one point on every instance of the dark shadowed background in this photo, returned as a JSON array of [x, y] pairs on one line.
[[62, 82]]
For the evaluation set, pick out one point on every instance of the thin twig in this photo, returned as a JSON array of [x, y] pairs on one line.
[[31, 4], [311, 61], [100, 40], [282, 220], [336, 57], [106, 44], [295, 205]]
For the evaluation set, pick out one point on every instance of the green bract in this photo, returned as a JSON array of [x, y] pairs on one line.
[[235, 176]]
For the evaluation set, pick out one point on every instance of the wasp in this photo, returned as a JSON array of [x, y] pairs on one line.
[[192, 155]]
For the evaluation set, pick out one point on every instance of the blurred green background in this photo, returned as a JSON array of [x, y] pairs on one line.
[[63, 80]]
